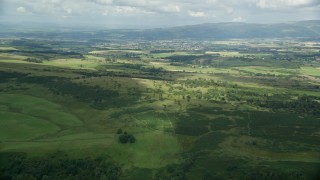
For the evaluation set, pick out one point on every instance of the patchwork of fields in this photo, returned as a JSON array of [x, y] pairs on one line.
[[195, 114]]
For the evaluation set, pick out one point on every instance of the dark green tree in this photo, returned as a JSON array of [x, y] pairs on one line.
[[119, 131]]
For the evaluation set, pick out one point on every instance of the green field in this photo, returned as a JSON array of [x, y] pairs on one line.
[[74, 63], [217, 113], [19, 127], [311, 71]]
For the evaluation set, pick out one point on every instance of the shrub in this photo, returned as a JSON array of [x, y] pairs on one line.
[[127, 138]]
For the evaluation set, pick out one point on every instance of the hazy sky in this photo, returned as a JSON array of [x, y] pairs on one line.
[[155, 13]]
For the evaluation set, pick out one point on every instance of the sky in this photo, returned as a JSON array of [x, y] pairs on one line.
[[154, 13]]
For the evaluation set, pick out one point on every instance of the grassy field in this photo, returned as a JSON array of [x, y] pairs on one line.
[[7, 48], [116, 52], [7, 56], [189, 120], [74, 63], [19, 127], [311, 71]]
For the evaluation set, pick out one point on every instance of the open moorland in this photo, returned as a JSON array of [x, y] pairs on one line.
[[167, 109]]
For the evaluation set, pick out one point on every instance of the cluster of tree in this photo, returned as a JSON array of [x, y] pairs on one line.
[[124, 137], [110, 59], [4, 76], [176, 172], [28, 43], [227, 62], [243, 94], [272, 174], [255, 174], [104, 71], [142, 67], [118, 55], [255, 74], [200, 82], [53, 52], [152, 69], [177, 64], [189, 59], [56, 166], [44, 55], [305, 55], [34, 60], [162, 51], [304, 104], [132, 66]]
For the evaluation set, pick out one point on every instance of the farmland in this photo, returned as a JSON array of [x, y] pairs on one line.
[[227, 109]]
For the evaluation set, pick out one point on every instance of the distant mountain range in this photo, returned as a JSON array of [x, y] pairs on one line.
[[230, 30], [233, 30]]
